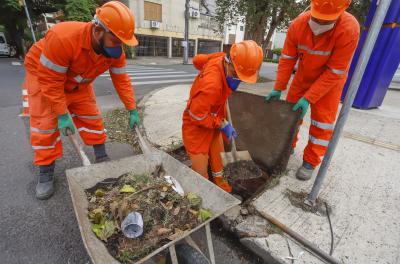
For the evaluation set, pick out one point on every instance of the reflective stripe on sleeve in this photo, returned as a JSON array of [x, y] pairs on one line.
[[51, 65], [196, 117], [120, 70], [80, 79], [336, 71], [218, 174], [284, 56]]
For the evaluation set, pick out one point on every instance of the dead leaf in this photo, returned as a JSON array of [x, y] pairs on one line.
[[165, 189], [177, 234], [193, 212], [162, 231], [176, 211]]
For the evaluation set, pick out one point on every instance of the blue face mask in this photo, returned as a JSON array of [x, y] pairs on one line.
[[114, 52], [233, 82]]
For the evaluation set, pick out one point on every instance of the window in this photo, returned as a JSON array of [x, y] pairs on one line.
[[2, 40], [231, 38], [152, 11], [241, 28], [151, 46], [177, 49]]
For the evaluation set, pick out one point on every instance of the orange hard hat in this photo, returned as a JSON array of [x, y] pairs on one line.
[[118, 18], [246, 57], [328, 9]]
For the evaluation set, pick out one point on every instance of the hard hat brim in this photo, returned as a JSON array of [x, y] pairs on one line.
[[248, 78], [130, 42]]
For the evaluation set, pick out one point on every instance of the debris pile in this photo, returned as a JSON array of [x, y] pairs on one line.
[[166, 214]]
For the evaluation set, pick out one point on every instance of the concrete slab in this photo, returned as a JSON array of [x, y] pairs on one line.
[[362, 188], [272, 125], [162, 119]]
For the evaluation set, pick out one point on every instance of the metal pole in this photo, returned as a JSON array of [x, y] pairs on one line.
[[186, 47], [365, 55], [29, 20], [310, 246]]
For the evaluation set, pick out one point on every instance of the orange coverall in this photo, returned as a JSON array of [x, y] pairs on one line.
[[323, 63], [60, 70], [204, 113]]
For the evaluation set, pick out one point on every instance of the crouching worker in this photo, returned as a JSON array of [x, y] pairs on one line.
[[204, 120]]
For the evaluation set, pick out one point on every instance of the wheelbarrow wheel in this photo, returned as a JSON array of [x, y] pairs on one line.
[[187, 255]]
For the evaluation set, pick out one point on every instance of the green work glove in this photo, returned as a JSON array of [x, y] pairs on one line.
[[274, 94], [65, 124], [303, 104], [134, 118]]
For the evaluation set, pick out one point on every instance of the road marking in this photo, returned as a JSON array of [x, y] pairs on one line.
[[147, 73], [16, 63], [164, 81], [164, 76]]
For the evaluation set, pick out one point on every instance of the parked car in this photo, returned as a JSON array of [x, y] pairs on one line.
[[4, 47]]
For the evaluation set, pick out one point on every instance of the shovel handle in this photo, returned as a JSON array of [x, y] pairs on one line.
[[228, 112], [78, 148]]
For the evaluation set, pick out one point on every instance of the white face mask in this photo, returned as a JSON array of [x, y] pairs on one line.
[[318, 29]]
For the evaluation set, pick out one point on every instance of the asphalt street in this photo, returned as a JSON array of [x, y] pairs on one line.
[[34, 231]]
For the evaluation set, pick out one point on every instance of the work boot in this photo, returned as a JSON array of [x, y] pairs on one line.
[[305, 172], [45, 184], [100, 153], [222, 183]]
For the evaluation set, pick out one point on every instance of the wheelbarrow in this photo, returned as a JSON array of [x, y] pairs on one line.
[[82, 178]]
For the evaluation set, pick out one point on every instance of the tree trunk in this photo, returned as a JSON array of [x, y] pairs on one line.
[[16, 33]]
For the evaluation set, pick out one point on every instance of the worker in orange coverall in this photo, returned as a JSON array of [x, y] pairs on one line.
[[204, 117], [323, 42], [60, 70]]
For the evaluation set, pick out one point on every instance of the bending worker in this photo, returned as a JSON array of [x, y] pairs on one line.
[[323, 42], [60, 70], [204, 117]]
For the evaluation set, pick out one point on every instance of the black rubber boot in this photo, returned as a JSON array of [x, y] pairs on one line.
[[45, 184], [100, 153]]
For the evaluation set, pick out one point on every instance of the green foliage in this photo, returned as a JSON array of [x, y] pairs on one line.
[[359, 8], [277, 51], [262, 17], [80, 10]]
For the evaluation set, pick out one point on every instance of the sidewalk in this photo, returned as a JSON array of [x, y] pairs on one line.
[[362, 188]]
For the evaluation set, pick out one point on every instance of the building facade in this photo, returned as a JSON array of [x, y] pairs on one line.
[[160, 27], [234, 33]]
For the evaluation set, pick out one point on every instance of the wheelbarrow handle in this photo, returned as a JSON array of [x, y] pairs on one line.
[[78, 148]]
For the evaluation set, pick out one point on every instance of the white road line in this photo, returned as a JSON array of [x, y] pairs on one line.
[[146, 73], [164, 76], [164, 81]]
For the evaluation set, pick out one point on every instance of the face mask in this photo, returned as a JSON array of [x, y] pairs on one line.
[[113, 52], [233, 82], [318, 29]]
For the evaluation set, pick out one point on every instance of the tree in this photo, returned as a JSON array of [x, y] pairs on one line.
[[13, 18], [80, 10], [359, 8], [262, 17]]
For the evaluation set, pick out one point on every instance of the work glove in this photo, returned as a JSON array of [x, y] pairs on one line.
[[65, 124], [303, 104], [228, 130], [274, 94], [134, 118]]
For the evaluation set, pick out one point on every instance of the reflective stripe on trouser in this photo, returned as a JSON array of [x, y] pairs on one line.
[[200, 161], [86, 116], [91, 128], [323, 116]]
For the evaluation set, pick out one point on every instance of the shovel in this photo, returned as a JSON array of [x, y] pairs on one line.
[[234, 155], [78, 148]]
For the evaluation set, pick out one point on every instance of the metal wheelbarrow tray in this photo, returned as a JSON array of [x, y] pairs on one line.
[[82, 178]]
